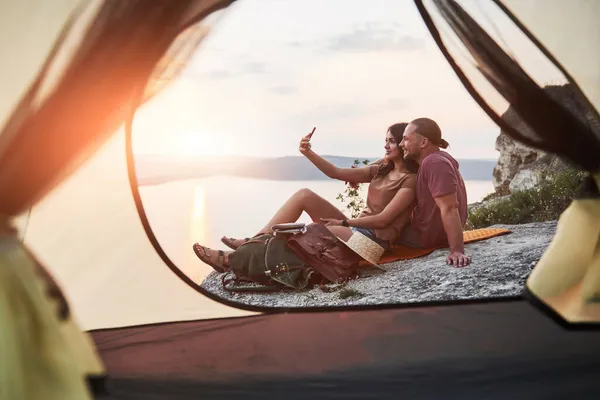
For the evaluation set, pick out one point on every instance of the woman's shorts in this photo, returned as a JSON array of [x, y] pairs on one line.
[[370, 233]]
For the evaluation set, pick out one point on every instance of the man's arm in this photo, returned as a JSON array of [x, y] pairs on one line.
[[443, 185], [448, 206]]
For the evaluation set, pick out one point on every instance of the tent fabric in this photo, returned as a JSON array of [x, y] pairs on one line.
[[571, 35], [88, 232], [36, 33], [496, 350]]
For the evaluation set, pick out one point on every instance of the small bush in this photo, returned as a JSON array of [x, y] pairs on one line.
[[543, 203], [351, 196]]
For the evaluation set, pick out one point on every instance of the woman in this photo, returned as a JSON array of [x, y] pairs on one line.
[[390, 200]]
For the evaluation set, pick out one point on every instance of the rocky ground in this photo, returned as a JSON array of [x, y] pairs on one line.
[[500, 267]]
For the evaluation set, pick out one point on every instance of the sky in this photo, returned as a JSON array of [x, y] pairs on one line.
[[271, 70]]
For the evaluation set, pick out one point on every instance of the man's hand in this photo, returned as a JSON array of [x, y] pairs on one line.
[[458, 259], [448, 206], [331, 221]]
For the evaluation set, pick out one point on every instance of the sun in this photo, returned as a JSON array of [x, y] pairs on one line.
[[195, 144], [169, 124]]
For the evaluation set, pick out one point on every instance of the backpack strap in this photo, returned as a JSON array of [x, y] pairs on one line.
[[227, 279], [254, 241], [267, 243]]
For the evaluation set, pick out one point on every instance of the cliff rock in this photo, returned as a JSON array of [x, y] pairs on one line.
[[519, 166], [500, 267]]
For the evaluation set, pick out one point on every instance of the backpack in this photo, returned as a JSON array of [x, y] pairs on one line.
[[266, 260], [294, 257]]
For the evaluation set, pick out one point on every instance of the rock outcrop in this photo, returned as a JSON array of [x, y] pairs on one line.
[[513, 157], [519, 166], [532, 174], [500, 267]]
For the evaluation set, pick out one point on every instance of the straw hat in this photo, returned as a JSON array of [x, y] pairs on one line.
[[362, 245]]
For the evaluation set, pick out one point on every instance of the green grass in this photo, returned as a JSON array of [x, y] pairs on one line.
[[543, 203]]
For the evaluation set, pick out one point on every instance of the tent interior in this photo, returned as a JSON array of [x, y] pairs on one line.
[[92, 305]]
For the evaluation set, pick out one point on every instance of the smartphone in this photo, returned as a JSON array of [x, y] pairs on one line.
[[313, 131]]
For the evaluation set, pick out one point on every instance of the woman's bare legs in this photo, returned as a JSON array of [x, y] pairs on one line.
[[217, 259], [304, 200], [343, 232]]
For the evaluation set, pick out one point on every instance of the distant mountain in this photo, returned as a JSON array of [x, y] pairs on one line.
[[159, 169]]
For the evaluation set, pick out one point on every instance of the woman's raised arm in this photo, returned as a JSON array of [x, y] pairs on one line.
[[352, 175]]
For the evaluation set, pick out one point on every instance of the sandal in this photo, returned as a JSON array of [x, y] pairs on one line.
[[231, 242], [202, 253]]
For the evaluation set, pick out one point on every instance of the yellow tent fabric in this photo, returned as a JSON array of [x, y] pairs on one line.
[[39, 361]]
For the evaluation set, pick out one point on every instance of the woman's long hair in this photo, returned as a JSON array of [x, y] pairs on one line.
[[397, 131]]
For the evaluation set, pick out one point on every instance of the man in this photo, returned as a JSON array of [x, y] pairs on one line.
[[441, 212]]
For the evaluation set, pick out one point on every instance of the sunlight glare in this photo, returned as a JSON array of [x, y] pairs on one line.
[[198, 220], [199, 230], [170, 125], [199, 210]]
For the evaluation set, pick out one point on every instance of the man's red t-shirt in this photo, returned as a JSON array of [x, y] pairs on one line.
[[438, 176]]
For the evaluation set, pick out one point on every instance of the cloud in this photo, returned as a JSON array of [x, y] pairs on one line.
[[370, 37], [397, 102], [247, 68], [373, 38], [296, 43], [254, 68], [346, 110], [283, 90], [336, 111], [219, 74]]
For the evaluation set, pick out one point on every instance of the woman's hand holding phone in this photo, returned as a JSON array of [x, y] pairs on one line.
[[305, 142]]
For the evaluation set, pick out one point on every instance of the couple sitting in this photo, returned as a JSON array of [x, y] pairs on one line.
[[416, 197]]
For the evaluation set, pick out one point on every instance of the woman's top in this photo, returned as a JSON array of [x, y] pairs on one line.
[[381, 191]]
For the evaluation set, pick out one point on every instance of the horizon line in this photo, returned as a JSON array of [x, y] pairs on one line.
[[179, 156]]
